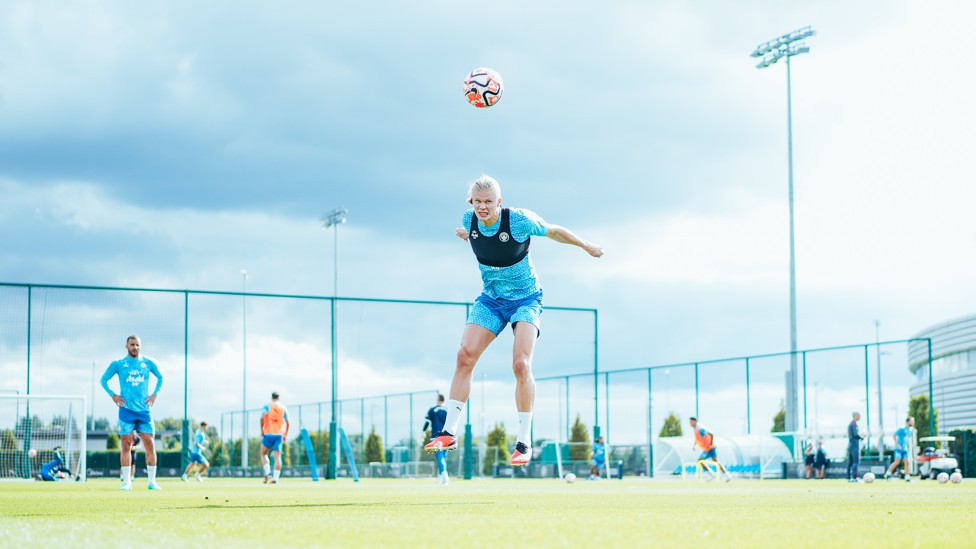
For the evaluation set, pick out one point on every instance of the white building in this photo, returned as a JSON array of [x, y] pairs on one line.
[[953, 371]]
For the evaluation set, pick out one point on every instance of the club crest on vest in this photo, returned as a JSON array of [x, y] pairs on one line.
[[474, 234], [503, 237]]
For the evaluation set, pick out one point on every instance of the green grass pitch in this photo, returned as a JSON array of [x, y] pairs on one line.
[[488, 513]]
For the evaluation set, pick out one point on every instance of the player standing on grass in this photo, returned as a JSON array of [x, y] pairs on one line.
[[902, 436], [135, 406], [500, 240], [599, 459], [196, 454], [853, 448], [274, 435], [705, 440], [435, 420]]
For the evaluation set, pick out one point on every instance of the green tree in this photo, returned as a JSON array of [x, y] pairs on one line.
[[112, 441], [8, 441], [920, 409], [497, 438], [101, 424], [374, 448], [672, 426], [779, 420], [579, 434]]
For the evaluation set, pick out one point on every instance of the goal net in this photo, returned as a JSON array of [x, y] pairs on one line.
[[49, 427]]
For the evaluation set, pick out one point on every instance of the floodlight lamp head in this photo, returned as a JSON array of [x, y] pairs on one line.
[[333, 218]]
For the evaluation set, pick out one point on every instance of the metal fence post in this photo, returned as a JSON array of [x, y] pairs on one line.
[[748, 403], [185, 445], [867, 400], [650, 429], [931, 393], [804, 389], [696, 390]]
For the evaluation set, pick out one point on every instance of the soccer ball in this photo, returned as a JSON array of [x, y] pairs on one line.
[[32, 452], [943, 478], [483, 88], [570, 478], [868, 477], [956, 477]]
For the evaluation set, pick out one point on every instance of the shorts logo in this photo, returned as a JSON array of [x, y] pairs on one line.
[[474, 234], [503, 237]]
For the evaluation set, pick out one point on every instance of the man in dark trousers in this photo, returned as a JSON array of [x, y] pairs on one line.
[[853, 449]]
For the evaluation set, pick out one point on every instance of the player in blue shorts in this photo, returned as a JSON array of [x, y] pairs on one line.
[[599, 459], [500, 239], [197, 461], [274, 435], [135, 406], [54, 469], [902, 437], [435, 420]]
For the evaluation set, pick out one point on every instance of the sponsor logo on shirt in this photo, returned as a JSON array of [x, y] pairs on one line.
[[503, 237], [135, 380], [474, 234]]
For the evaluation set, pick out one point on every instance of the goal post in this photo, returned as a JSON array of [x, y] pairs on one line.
[[46, 424]]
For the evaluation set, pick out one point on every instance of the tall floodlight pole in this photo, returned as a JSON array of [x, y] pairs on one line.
[[333, 219], [244, 375], [787, 46]]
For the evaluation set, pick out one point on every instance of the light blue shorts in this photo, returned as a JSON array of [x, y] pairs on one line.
[[598, 463], [198, 458], [901, 454], [135, 421], [709, 455], [271, 442], [494, 314]]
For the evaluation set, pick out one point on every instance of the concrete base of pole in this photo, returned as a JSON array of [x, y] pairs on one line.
[[333, 463]]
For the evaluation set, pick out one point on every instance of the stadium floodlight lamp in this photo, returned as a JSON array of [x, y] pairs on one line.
[[785, 40], [334, 217]]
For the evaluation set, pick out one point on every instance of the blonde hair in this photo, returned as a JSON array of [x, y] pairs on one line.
[[485, 183]]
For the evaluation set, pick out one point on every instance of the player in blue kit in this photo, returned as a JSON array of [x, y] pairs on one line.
[[599, 459], [500, 239], [902, 437], [435, 420], [135, 406], [54, 469], [197, 461]]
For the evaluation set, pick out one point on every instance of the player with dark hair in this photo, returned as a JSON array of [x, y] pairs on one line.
[[705, 440], [435, 420], [902, 437], [599, 460], [135, 406], [500, 239], [197, 461], [274, 435]]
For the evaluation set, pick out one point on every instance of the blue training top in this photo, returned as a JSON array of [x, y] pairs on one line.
[[198, 438], [599, 451], [519, 280], [133, 381], [901, 435]]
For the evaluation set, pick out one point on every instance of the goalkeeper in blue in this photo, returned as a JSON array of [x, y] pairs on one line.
[[54, 469], [135, 406]]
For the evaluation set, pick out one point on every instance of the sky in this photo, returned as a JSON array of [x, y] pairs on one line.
[[174, 145]]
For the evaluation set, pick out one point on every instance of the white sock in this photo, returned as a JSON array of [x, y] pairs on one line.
[[525, 428], [454, 409], [267, 469], [152, 473], [277, 474], [126, 473]]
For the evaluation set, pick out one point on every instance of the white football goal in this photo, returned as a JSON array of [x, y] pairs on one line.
[[40, 429]]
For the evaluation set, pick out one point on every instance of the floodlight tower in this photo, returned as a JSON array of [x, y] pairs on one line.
[[787, 46], [334, 219]]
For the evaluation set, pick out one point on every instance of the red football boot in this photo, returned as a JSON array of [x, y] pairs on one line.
[[522, 455], [443, 441]]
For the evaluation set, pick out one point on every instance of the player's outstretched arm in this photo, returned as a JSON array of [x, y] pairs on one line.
[[462, 234], [566, 236]]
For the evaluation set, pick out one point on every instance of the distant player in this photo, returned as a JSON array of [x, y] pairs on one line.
[[902, 438], [500, 239], [599, 459], [198, 463], [54, 469], [853, 448], [705, 440], [274, 435], [134, 441], [435, 420], [135, 407]]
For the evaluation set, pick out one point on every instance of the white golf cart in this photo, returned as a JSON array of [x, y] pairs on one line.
[[933, 461]]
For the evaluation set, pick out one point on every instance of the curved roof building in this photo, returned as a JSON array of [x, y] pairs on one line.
[[953, 371]]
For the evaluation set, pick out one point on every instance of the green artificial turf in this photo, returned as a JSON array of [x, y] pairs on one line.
[[514, 514]]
